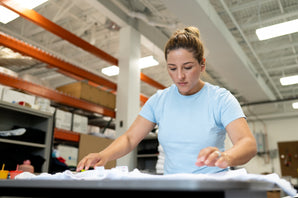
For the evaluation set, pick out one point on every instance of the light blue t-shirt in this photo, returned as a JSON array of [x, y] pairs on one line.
[[188, 124]]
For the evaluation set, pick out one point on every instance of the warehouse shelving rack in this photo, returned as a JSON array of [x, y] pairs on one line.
[[12, 115], [62, 66]]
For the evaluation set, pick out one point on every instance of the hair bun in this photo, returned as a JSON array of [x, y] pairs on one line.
[[187, 38], [193, 30]]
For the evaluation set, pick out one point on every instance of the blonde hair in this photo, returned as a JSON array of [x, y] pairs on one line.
[[189, 39]]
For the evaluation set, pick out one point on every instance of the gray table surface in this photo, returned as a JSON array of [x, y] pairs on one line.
[[134, 186]]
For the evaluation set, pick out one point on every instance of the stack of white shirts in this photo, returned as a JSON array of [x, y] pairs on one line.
[[160, 161]]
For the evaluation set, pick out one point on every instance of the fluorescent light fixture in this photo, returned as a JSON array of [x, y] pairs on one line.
[[110, 71], [144, 62], [289, 80], [147, 61], [8, 15], [276, 30], [295, 105]]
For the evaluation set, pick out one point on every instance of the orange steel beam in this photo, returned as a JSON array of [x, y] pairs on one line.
[[66, 135], [40, 20], [143, 98], [63, 67], [70, 75], [43, 56], [54, 95], [151, 82]]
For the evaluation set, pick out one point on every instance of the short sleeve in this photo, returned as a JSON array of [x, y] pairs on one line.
[[148, 111], [228, 108]]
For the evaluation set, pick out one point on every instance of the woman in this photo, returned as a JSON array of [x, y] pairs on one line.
[[193, 117]]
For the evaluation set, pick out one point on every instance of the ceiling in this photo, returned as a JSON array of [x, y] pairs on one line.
[[236, 59]]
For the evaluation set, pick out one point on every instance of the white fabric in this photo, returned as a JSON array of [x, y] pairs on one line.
[[160, 161], [121, 173]]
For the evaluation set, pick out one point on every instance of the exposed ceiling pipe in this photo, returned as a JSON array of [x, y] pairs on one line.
[[269, 101], [142, 16], [251, 48], [252, 118], [43, 22], [146, 19]]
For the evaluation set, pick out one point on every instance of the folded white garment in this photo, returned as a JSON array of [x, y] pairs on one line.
[[159, 167], [161, 157], [14, 132], [121, 173]]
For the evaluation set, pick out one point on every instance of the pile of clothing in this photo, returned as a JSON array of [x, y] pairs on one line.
[[121, 173], [160, 160]]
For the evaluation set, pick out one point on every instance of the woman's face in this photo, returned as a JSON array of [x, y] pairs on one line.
[[185, 71]]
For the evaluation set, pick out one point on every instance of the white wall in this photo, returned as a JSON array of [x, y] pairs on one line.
[[278, 130]]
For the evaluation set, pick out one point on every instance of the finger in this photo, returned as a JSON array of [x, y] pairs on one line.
[[223, 161], [212, 158], [90, 163], [80, 166], [204, 153], [199, 163]]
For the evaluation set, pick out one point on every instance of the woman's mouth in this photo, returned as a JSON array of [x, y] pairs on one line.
[[182, 83]]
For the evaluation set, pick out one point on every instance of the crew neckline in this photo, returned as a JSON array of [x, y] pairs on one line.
[[192, 95]]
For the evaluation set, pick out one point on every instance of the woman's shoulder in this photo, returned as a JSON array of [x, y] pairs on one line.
[[216, 90], [219, 95]]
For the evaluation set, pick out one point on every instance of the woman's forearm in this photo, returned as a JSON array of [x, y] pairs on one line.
[[241, 152], [118, 148]]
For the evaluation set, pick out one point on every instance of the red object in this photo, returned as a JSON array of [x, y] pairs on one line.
[[14, 173], [61, 159], [22, 103]]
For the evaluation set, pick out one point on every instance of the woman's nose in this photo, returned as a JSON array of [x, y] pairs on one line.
[[181, 75]]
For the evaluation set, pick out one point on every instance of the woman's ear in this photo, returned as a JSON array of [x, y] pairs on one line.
[[203, 65]]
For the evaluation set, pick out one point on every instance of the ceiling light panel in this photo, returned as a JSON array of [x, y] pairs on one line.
[[289, 80], [276, 30], [8, 15], [144, 62]]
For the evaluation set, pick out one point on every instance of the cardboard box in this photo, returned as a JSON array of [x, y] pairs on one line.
[[90, 93], [79, 124], [69, 153], [273, 194], [12, 96], [63, 119], [92, 144], [1, 90]]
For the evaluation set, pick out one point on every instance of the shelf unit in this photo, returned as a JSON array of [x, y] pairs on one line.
[[54, 95], [147, 154], [12, 115], [66, 135], [62, 66]]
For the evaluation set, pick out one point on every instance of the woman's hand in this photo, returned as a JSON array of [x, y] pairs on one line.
[[211, 156], [119, 147], [244, 147], [91, 160]]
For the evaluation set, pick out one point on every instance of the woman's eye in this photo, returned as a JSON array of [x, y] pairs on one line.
[[187, 68], [172, 69]]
